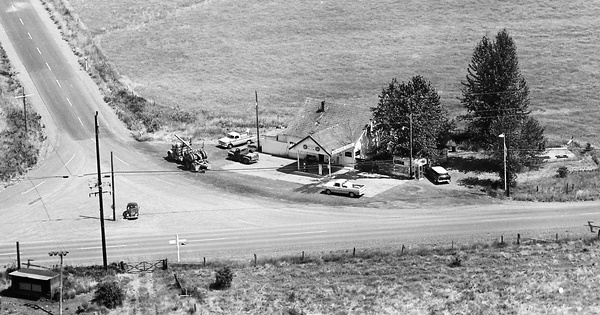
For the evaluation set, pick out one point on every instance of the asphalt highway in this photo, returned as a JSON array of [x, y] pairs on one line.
[[52, 209]]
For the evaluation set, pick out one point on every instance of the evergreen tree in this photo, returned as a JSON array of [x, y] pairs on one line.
[[400, 103], [496, 97]]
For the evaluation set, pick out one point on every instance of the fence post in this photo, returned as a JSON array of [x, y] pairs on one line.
[[204, 263], [502, 239], [166, 264], [598, 233], [302, 255], [452, 246], [354, 252], [402, 251], [557, 237], [518, 239], [255, 260]]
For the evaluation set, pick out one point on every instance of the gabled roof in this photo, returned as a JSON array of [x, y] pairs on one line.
[[305, 140], [310, 120], [335, 137]]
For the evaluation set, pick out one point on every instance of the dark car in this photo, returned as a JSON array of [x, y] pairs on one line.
[[246, 155], [132, 212]]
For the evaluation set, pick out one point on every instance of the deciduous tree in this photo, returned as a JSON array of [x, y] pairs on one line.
[[409, 104]]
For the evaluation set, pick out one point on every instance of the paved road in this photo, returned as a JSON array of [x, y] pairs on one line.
[[321, 231], [52, 210]]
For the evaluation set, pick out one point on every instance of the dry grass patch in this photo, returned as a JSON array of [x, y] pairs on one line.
[[543, 278]]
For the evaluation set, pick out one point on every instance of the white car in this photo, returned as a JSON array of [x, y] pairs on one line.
[[235, 138], [344, 186]]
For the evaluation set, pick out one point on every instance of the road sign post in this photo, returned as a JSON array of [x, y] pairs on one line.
[[177, 241]]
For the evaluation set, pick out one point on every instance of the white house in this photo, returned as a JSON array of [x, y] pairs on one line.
[[331, 133]]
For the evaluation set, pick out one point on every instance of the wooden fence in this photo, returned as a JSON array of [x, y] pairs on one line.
[[144, 266]]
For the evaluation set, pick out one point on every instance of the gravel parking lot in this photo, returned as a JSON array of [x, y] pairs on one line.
[[285, 169]]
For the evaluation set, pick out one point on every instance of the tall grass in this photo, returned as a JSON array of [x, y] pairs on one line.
[[211, 56]]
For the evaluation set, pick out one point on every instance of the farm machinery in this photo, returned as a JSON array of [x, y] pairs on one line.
[[192, 159]]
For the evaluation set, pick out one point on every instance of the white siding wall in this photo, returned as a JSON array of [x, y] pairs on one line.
[[271, 146]]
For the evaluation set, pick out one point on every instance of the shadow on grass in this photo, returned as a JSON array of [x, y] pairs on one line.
[[10, 293]]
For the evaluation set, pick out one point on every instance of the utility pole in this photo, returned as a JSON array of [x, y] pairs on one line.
[[505, 153], [24, 107], [61, 254], [410, 144], [112, 176], [105, 264], [410, 169], [18, 257], [257, 129]]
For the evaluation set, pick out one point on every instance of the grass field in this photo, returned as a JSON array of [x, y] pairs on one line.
[[212, 55], [534, 278]]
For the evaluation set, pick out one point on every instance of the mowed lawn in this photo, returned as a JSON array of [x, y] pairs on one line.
[[212, 55]]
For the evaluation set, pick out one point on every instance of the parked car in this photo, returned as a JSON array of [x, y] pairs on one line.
[[132, 212], [437, 174], [235, 138], [344, 186]]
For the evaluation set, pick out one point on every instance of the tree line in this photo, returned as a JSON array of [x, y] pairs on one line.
[[410, 119]]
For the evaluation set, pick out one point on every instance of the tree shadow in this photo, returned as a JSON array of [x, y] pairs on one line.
[[471, 164], [474, 181]]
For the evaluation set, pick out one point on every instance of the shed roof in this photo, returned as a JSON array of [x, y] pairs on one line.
[[34, 274], [311, 120]]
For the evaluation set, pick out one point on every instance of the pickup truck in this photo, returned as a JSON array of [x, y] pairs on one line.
[[246, 155], [344, 186], [235, 138]]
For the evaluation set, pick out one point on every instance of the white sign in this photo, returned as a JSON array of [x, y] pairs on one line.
[[177, 241]]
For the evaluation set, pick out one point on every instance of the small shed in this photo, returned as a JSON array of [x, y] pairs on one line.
[[451, 146], [34, 282]]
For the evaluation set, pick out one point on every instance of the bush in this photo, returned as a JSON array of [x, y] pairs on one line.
[[109, 294], [9, 270], [562, 172], [223, 279]]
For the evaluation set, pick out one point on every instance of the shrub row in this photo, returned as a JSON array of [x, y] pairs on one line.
[[22, 135]]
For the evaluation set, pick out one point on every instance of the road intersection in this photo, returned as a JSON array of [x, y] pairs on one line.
[[52, 210]]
